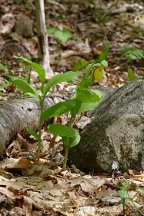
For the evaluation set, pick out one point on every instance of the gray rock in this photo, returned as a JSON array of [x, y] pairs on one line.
[[116, 134]]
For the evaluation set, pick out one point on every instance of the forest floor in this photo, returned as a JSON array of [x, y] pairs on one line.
[[78, 32]]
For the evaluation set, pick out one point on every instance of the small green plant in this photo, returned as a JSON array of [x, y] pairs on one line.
[[5, 69], [101, 63], [131, 74], [80, 64], [63, 35], [99, 16], [123, 192], [85, 99], [41, 94], [133, 53], [126, 197]]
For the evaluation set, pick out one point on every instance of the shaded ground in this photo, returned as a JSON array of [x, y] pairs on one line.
[[43, 188]]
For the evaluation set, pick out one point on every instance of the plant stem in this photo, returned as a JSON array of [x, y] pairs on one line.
[[65, 157], [41, 103], [66, 142], [71, 121], [124, 209]]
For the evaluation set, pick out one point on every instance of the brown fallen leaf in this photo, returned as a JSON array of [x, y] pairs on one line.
[[16, 163]]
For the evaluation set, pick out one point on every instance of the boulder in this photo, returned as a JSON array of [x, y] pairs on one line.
[[115, 137]]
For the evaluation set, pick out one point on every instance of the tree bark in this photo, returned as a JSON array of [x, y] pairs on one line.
[[43, 38], [116, 135]]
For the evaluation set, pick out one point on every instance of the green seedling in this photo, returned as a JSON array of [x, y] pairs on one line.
[[125, 196], [131, 74], [62, 35], [85, 99], [123, 192], [41, 94], [99, 16], [104, 54], [82, 63], [98, 65], [133, 53], [70, 137], [5, 69]]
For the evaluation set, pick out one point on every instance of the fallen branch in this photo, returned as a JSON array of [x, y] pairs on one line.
[[128, 8], [19, 114]]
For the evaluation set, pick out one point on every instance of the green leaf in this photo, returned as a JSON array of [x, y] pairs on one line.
[[98, 92], [70, 142], [85, 83], [87, 96], [4, 68], [65, 132], [89, 70], [123, 195], [135, 52], [58, 109], [33, 133], [104, 52], [38, 68], [76, 106], [63, 35], [131, 74], [80, 64], [102, 63], [66, 77], [132, 53], [25, 87], [5, 84], [74, 141], [86, 106], [62, 130]]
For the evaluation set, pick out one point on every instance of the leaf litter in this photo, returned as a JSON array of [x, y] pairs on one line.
[[28, 187]]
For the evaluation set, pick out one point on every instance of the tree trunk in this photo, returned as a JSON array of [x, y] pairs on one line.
[[116, 135], [43, 38], [19, 114]]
